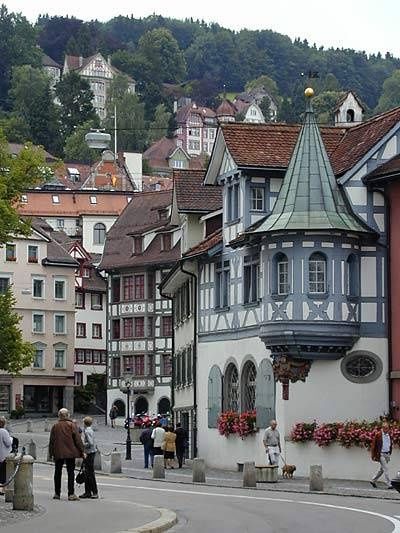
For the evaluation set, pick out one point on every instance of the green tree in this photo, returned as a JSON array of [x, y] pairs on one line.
[[14, 127], [17, 174], [324, 105], [286, 112], [264, 81], [76, 149], [15, 353], [390, 96], [265, 106], [75, 98], [159, 126], [131, 125], [161, 58], [17, 47], [32, 100]]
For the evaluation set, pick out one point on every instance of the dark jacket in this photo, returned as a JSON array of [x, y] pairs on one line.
[[376, 446], [145, 437], [181, 438], [65, 441]]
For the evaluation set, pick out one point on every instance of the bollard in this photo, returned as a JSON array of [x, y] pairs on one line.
[[199, 471], [32, 449], [316, 479], [46, 426], [97, 460], [115, 467], [249, 475], [23, 484], [29, 426], [9, 489], [158, 467]]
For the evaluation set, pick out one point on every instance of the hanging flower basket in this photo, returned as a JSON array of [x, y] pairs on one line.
[[233, 423]]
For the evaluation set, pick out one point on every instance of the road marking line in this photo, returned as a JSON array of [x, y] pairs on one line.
[[390, 519]]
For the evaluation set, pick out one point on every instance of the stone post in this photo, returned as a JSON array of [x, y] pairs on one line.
[[9, 489], [249, 475], [32, 449], [23, 484], [29, 426], [46, 426], [115, 467], [158, 467], [316, 479], [199, 471], [97, 460]]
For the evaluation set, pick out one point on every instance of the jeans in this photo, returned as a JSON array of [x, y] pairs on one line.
[[180, 452], [384, 460], [71, 475], [148, 453], [90, 479]]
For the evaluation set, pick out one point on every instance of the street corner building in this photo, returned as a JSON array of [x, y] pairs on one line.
[[41, 274], [291, 287], [140, 249]]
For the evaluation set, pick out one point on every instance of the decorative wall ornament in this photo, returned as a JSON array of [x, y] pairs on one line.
[[287, 369]]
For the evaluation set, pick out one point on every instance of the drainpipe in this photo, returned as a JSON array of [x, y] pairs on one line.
[[194, 365], [172, 355]]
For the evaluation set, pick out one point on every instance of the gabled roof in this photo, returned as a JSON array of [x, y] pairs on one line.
[[16, 148], [56, 253], [47, 61], [214, 239], [192, 195], [226, 108], [184, 112], [344, 97], [160, 151], [78, 63], [385, 172], [310, 198], [140, 216]]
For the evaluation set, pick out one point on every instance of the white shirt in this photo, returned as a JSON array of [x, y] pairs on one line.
[[5, 444], [385, 442], [158, 437]]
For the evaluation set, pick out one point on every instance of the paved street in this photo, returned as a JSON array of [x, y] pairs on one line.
[[201, 509]]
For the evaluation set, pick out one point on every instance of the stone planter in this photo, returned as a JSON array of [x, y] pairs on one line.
[[266, 474]]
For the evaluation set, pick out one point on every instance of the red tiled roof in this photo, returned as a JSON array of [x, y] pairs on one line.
[[142, 214], [360, 139], [193, 195], [158, 153], [271, 145], [205, 245], [390, 167], [226, 108], [183, 112], [72, 203]]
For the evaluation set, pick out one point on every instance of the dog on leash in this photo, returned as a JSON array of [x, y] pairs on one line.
[[288, 471]]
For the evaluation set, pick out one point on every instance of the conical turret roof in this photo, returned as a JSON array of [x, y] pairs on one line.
[[310, 198]]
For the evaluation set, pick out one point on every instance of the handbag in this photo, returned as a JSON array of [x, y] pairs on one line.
[[81, 475]]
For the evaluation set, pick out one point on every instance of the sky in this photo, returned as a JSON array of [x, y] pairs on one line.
[[360, 24]]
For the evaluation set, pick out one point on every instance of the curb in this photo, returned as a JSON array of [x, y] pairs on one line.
[[325, 492], [167, 519]]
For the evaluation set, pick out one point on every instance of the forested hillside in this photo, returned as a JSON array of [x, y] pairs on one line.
[[168, 58]]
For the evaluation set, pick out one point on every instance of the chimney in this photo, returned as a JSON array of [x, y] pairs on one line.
[[80, 61]]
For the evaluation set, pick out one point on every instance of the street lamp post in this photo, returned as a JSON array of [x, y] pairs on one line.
[[126, 389]]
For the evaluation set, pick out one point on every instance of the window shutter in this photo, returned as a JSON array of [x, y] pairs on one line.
[[265, 394], [214, 396]]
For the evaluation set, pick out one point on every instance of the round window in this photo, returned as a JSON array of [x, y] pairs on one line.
[[361, 367]]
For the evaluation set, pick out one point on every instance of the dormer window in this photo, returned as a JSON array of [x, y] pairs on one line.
[[24, 199], [93, 199], [56, 199], [166, 242], [138, 245]]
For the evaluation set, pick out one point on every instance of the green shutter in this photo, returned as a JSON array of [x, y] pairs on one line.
[[214, 396], [265, 394]]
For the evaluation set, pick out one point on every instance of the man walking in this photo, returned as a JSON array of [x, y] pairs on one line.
[[113, 415], [272, 443], [381, 450], [147, 441], [180, 443], [65, 446]]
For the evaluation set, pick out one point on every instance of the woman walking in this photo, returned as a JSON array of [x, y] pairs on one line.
[[5, 449], [90, 450], [169, 447]]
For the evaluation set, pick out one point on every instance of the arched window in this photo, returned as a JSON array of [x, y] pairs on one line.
[[352, 276], [317, 274], [280, 275], [141, 405], [350, 115], [248, 386], [231, 388], [99, 233], [164, 406]]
